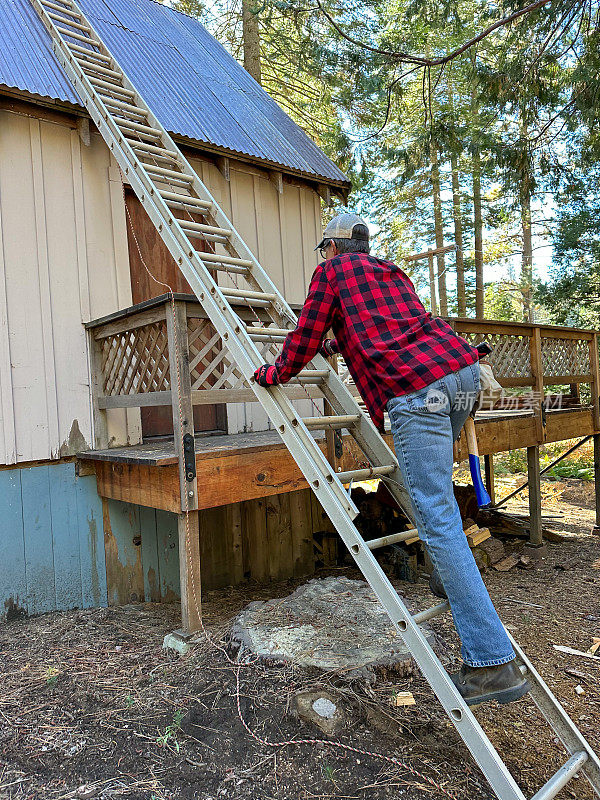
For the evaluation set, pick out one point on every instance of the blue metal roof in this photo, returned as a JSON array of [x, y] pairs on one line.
[[193, 85]]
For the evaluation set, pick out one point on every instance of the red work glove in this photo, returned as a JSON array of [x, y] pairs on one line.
[[327, 348], [266, 375]]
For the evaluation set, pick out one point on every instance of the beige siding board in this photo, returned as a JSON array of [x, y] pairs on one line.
[[70, 379], [293, 251], [270, 236], [22, 293], [8, 453]]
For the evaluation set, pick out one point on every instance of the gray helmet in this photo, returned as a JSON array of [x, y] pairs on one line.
[[342, 227]]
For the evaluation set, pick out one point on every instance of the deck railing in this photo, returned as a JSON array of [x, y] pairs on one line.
[[135, 351]]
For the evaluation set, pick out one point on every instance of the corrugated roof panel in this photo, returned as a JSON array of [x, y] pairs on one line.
[[189, 80]]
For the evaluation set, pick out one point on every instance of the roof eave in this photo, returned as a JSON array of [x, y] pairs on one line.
[[342, 188]]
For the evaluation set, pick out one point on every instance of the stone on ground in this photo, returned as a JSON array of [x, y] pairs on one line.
[[334, 624]]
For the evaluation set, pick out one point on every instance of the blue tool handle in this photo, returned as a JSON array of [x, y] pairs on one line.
[[483, 498]]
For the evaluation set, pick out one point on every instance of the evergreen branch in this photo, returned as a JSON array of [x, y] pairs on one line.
[[432, 62]]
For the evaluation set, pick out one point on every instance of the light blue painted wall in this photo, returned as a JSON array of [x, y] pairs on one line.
[[51, 541]]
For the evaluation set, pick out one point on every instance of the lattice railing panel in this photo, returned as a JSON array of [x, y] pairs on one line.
[[211, 366], [510, 357], [565, 357], [136, 361]]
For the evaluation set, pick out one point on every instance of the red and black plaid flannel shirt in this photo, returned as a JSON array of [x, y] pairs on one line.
[[390, 343]]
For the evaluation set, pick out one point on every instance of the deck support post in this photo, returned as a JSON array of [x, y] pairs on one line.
[[181, 393], [596, 529], [188, 529], [535, 497], [489, 477], [99, 415]]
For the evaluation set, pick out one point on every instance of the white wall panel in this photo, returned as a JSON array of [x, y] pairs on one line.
[[63, 260]]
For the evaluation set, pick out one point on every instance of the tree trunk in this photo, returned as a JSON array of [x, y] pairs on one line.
[[527, 257], [525, 189], [478, 229], [439, 229], [461, 295], [251, 37]]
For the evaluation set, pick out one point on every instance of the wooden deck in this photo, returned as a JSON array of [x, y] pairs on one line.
[[138, 350], [240, 467]]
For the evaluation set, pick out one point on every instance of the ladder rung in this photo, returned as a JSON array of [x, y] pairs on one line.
[[266, 334], [191, 227], [87, 52], [73, 35], [243, 294], [562, 777], [393, 538], [113, 87], [222, 265], [62, 9], [311, 376], [137, 126], [430, 613], [128, 107], [169, 173], [112, 73], [332, 421], [73, 24], [161, 152], [365, 474], [175, 200]]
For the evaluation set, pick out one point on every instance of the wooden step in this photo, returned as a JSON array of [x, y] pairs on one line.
[[332, 421]]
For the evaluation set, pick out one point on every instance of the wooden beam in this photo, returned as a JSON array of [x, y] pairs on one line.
[[183, 411], [535, 496], [97, 380], [276, 179], [223, 166], [595, 382], [537, 371], [436, 251], [324, 193], [83, 128], [188, 529], [597, 480], [135, 400]]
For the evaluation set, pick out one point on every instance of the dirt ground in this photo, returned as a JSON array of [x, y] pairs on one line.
[[92, 706]]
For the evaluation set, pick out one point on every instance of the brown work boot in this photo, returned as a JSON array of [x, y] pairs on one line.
[[503, 683]]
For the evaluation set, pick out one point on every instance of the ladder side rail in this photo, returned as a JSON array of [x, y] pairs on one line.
[[459, 713], [289, 424], [375, 448], [558, 719]]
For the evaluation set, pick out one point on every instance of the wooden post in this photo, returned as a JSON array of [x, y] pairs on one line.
[[596, 529], [489, 476], [595, 381], [97, 385], [181, 392], [535, 496], [537, 371], [188, 529]]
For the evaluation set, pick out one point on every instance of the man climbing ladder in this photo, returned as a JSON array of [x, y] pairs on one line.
[[173, 196], [427, 376]]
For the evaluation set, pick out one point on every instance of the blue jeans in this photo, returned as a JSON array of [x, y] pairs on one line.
[[425, 424]]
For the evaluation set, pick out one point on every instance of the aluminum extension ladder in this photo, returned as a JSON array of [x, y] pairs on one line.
[[155, 167]]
